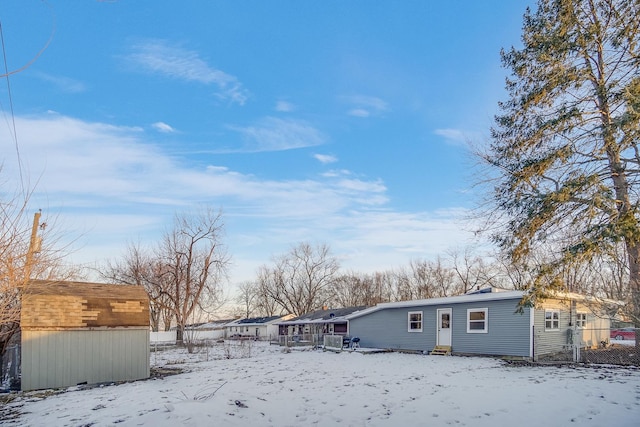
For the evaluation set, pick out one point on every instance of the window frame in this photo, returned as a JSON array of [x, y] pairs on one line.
[[552, 320], [485, 321], [410, 322], [581, 319]]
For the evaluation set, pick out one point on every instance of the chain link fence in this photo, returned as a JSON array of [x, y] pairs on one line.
[[622, 348], [589, 345]]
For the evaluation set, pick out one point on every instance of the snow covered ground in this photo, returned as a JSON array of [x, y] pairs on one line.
[[260, 385]]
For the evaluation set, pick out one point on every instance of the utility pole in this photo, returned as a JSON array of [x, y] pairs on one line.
[[34, 246]]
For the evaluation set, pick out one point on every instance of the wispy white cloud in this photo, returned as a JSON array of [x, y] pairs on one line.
[[64, 84], [112, 182], [161, 57], [285, 106], [365, 106], [275, 134], [325, 158], [458, 136], [336, 172], [163, 127], [359, 112]]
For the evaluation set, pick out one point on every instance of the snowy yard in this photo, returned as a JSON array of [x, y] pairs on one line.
[[307, 387]]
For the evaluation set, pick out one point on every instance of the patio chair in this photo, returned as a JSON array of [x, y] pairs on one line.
[[346, 342]]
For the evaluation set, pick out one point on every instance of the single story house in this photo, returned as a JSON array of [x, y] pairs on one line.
[[319, 322], [255, 327], [483, 323], [83, 333], [214, 329]]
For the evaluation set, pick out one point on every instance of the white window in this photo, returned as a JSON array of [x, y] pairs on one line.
[[415, 321], [477, 320], [551, 320], [581, 320]]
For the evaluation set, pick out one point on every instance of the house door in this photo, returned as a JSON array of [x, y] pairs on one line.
[[444, 326]]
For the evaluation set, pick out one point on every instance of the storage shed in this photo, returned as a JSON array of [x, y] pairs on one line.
[[83, 333]]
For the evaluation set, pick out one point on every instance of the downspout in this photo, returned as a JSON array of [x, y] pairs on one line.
[[532, 329]]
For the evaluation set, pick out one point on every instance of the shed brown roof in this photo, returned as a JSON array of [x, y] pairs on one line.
[[70, 305]]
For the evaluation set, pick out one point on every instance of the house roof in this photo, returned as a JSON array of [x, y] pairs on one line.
[[214, 324], [256, 321], [481, 295], [65, 305], [484, 296], [324, 316]]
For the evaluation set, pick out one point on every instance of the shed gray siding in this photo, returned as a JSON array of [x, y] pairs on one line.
[[62, 358], [509, 333]]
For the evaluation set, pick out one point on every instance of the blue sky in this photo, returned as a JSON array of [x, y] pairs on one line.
[[339, 122]]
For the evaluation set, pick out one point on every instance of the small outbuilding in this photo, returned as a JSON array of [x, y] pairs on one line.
[[83, 333]]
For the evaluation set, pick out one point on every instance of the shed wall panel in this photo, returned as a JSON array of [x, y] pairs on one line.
[[54, 359]]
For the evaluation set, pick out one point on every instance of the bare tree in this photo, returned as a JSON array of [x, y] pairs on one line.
[[267, 305], [298, 280], [28, 250], [139, 267], [354, 289], [433, 279], [248, 298], [184, 274], [611, 275], [423, 279], [471, 271], [192, 266]]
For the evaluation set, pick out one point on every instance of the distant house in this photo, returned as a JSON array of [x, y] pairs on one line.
[[214, 329], [319, 322], [83, 333], [255, 327], [483, 323]]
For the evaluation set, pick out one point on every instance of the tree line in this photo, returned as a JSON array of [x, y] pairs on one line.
[[309, 277]]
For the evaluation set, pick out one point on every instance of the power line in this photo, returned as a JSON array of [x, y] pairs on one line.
[[12, 125], [7, 73]]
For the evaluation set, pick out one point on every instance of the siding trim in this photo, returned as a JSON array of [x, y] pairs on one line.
[[531, 331]]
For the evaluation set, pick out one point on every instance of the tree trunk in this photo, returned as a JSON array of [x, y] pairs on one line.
[[180, 335], [634, 292]]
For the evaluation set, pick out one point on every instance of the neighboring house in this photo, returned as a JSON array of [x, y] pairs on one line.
[[483, 323], [212, 330], [83, 333], [256, 327], [319, 322]]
